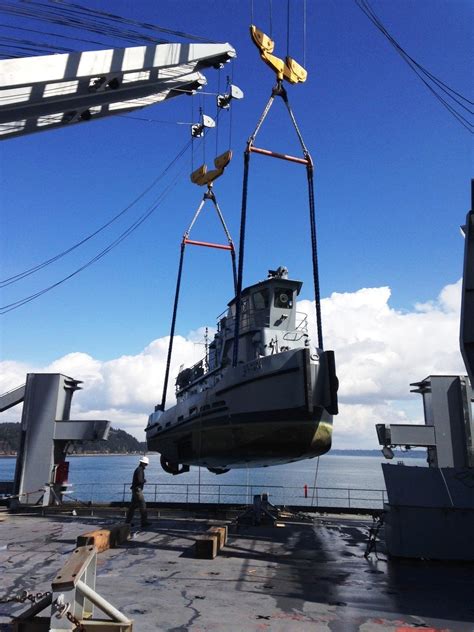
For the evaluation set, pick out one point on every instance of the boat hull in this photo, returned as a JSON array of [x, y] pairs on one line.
[[269, 411]]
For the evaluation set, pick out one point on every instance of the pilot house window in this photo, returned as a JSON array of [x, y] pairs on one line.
[[283, 298], [260, 299]]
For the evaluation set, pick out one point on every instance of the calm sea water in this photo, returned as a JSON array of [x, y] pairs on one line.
[[107, 478]]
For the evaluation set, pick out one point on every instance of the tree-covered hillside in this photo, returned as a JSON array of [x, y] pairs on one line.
[[119, 442], [9, 438]]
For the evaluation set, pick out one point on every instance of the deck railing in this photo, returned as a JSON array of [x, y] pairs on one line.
[[228, 494]]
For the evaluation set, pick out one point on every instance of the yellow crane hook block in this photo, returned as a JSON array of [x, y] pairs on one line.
[[266, 46], [261, 40], [293, 72], [202, 176], [287, 69], [198, 174], [223, 160]]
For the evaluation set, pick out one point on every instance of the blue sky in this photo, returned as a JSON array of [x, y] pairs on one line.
[[392, 180]]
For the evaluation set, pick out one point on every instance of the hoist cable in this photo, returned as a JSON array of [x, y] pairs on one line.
[[364, 5], [419, 70], [16, 304], [304, 32], [74, 9], [192, 137], [67, 37], [270, 8], [35, 46], [370, 13], [151, 120], [230, 81], [218, 110], [43, 264], [288, 28], [19, 303]]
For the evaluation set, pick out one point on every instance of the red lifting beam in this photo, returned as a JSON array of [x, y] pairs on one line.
[[274, 154], [207, 244]]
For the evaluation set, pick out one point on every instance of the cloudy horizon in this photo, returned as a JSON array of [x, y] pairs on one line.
[[379, 352]]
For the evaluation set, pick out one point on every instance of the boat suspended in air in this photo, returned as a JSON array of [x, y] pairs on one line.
[[275, 406], [264, 394]]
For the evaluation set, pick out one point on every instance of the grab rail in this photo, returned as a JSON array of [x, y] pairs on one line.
[[232, 494]]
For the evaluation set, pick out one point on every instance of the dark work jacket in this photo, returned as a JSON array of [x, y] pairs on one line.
[[138, 478]]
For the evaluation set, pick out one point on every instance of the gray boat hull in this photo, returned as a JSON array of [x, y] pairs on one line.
[[272, 410]]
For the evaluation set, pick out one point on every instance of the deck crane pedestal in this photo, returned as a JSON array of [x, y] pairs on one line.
[[430, 510]]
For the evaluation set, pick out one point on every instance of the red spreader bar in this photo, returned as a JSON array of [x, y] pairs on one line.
[[207, 244], [274, 154]]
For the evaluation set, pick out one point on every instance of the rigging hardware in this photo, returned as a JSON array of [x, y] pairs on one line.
[[202, 176], [266, 46], [288, 69], [224, 160], [197, 130], [223, 100]]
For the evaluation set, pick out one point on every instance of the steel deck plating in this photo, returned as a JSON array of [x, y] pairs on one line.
[[304, 576]]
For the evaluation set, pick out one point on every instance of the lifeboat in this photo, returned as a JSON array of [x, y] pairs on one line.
[[273, 406]]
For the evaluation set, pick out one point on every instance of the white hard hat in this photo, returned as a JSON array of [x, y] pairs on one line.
[[145, 460]]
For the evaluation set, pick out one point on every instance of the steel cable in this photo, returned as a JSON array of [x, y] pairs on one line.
[[138, 222], [40, 266], [422, 73]]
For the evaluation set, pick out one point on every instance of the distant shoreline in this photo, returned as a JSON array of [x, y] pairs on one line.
[[412, 454]]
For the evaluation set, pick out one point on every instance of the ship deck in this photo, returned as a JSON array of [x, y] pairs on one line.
[[307, 574]]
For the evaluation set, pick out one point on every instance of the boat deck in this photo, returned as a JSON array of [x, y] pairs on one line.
[[306, 575]]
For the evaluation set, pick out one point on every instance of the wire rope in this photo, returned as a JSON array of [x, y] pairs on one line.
[[366, 8], [422, 73], [218, 110], [58, 35], [304, 32], [270, 9], [128, 21], [288, 28], [19, 303], [43, 264]]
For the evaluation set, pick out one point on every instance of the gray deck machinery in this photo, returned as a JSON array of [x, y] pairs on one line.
[[41, 476], [430, 510]]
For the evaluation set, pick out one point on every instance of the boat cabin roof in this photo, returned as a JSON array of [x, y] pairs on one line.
[[272, 282]]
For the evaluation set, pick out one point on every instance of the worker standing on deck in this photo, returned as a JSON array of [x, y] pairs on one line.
[[138, 499]]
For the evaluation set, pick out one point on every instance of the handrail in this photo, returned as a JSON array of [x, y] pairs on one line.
[[235, 493]]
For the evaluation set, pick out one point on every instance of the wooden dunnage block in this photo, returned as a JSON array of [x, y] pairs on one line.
[[206, 546], [99, 538], [119, 533], [221, 533]]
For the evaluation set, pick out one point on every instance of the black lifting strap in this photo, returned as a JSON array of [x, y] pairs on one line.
[[173, 324], [280, 91], [243, 218], [209, 195], [314, 251]]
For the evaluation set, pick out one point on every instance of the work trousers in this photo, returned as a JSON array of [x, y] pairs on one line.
[[138, 502]]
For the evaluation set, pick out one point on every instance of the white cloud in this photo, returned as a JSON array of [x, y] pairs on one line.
[[379, 351]]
